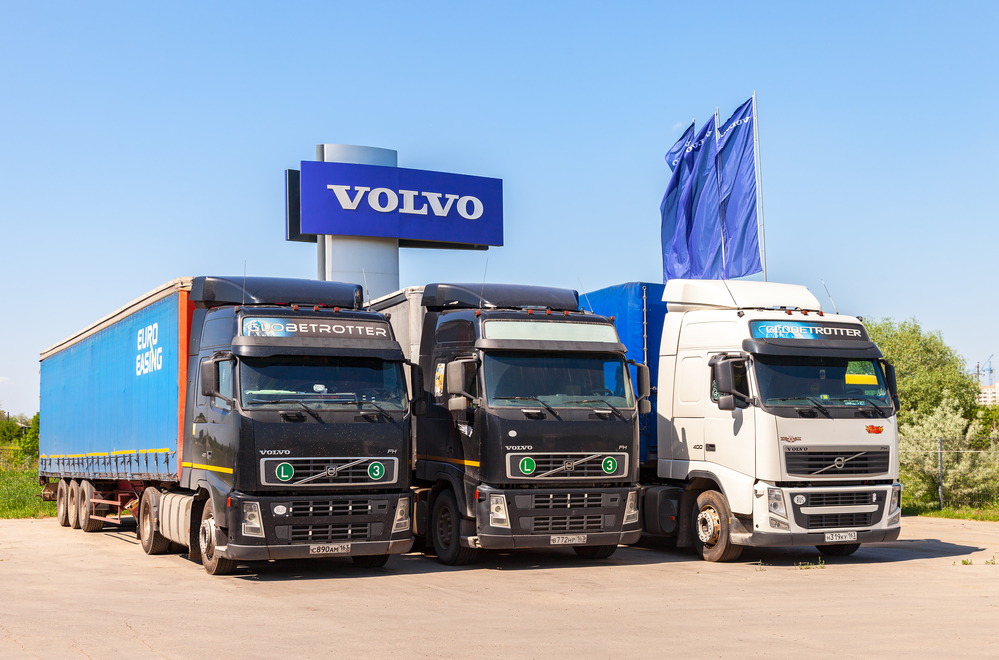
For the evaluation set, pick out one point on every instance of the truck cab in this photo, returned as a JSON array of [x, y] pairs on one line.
[[776, 424], [531, 433]]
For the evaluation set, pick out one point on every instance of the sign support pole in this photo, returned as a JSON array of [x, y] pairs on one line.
[[759, 187]]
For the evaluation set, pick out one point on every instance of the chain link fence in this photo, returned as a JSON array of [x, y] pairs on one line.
[[940, 472]]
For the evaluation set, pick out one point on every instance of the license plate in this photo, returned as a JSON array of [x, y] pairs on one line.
[[329, 549], [578, 539], [833, 537]]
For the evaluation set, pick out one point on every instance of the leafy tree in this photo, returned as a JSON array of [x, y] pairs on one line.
[[926, 367], [27, 444]]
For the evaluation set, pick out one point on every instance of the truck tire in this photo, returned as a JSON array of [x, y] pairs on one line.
[[73, 504], [370, 561], [87, 524], [214, 563], [445, 532], [838, 550], [153, 543], [711, 528], [594, 551], [62, 504]]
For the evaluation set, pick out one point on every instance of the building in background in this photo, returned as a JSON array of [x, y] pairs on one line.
[[987, 395]]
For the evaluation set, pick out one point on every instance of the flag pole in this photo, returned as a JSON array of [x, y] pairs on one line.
[[759, 187], [721, 220]]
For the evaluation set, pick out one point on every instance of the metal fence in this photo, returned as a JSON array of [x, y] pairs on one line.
[[938, 474]]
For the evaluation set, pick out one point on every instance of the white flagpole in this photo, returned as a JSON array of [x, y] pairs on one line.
[[721, 221], [759, 188]]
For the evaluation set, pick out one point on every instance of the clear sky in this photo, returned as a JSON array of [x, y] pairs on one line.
[[141, 142]]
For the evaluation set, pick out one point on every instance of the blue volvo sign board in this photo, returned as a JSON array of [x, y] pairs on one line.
[[419, 207]]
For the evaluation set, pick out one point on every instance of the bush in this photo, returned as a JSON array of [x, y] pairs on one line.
[[19, 494]]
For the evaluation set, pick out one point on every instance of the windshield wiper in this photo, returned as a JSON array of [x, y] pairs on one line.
[[530, 398], [811, 400], [819, 407], [380, 409], [603, 401], [307, 409]]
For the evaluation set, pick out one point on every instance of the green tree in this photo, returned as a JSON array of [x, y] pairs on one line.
[[926, 367], [27, 443]]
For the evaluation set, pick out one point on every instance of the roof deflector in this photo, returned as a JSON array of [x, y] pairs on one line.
[[452, 296]]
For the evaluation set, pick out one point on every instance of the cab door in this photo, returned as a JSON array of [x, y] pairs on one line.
[[689, 394], [730, 435]]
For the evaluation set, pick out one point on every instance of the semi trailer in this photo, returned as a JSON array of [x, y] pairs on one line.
[[531, 434], [241, 418], [775, 423]]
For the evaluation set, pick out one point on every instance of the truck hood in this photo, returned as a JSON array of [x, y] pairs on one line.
[[837, 449]]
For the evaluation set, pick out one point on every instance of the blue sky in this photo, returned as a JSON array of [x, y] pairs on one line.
[[140, 143]]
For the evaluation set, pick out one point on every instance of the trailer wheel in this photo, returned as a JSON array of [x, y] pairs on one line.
[[445, 532], [73, 504], [838, 550], [594, 551], [214, 563], [370, 561], [153, 543], [711, 528], [85, 505], [62, 506]]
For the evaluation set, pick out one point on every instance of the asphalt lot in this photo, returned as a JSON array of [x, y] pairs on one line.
[[68, 594]]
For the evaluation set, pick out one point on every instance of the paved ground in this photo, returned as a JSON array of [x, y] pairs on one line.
[[67, 594]]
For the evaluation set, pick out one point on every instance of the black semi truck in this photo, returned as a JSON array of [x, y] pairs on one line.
[[241, 418], [531, 434]]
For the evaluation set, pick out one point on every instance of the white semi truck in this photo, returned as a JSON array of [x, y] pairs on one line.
[[774, 423]]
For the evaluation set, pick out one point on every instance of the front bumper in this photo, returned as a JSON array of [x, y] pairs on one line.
[[770, 540], [547, 518], [353, 524]]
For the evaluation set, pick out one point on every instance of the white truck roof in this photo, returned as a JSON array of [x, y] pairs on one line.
[[690, 295]]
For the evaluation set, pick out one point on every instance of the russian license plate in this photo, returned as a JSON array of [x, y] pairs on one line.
[[578, 539], [833, 537], [329, 549]]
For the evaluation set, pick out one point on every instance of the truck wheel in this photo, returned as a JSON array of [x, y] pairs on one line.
[[711, 529], [62, 506], [214, 563], [370, 561], [73, 504], [838, 550], [85, 505], [445, 532], [153, 543], [594, 551]]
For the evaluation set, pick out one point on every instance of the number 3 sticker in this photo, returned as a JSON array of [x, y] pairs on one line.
[[376, 470]]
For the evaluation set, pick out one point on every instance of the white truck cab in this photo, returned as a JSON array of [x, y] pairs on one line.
[[776, 424]]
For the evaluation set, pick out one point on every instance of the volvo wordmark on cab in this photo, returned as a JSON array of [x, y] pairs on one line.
[[240, 418], [530, 438], [776, 421]]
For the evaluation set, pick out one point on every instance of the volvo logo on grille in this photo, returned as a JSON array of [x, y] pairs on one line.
[[569, 466], [839, 462], [331, 471]]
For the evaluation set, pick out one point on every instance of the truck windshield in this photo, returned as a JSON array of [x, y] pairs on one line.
[[514, 379], [800, 380], [321, 381]]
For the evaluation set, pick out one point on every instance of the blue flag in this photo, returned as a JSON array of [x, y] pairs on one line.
[[737, 171], [675, 226]]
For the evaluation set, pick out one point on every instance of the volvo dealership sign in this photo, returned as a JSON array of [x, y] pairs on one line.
[[419, 207]]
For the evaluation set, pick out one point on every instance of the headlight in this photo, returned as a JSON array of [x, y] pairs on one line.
[[775, 501], [401, 523], [631, 508], [497, 511], [251, 520], [896, 494]]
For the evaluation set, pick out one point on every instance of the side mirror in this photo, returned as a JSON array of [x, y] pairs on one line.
[[419, 407], [644, 406], [726, 402], [455, 378], [724, 377], [209, 377], [644, 384], [418, 404], [457, 404], [890, 378]]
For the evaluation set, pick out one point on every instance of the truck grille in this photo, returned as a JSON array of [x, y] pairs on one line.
[[326, 533], [326, 471], [567, 501], [321, 508], [567, 523], [831, 520], [840, 499], [607, 465], [836, 463]]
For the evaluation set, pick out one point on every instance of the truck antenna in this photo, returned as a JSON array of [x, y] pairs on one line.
[[482, 292], [734, 301], [244, 282], [581, 288], [830, 296], [366, 292]]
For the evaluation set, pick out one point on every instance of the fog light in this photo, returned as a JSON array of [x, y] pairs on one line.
[[631, 508], [895, 518], [779, 524], [251, 520], [896, 493], [401, 523], [775, 501], [497, 512]]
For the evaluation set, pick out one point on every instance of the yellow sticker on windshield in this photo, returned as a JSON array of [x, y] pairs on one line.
[[861, 379]]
